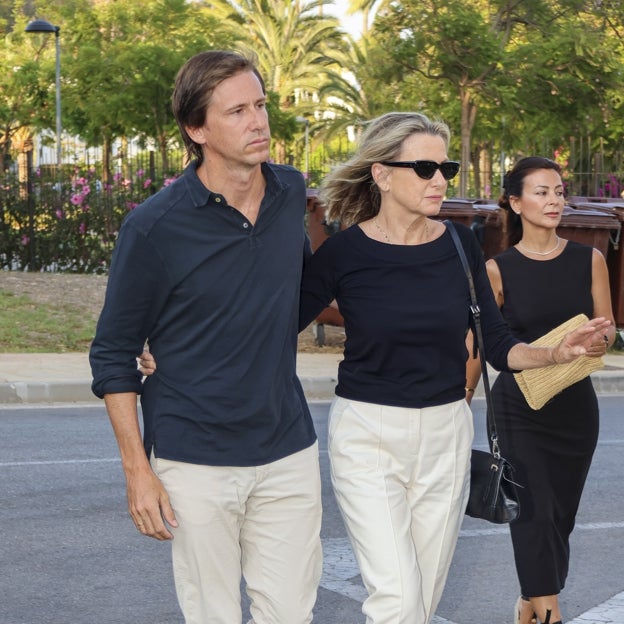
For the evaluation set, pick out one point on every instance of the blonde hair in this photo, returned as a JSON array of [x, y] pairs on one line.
[[349, 193]]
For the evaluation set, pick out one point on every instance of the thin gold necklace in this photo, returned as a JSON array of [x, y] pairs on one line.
[[385, 234], [540, 253]]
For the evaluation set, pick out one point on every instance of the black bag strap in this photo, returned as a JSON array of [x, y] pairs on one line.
[[476, 315]]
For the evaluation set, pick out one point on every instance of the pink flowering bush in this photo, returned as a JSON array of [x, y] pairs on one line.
[[71, 228]]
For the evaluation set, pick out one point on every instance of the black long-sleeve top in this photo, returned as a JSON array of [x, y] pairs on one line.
[[217, 298], [406, 310]]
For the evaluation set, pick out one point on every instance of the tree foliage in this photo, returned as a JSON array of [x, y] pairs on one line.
[[547, 66], [508, 76], [298, 48]]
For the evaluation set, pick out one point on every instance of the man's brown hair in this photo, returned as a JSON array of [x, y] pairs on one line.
[[195, 84]]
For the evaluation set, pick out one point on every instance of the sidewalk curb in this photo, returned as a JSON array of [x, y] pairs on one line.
[[79, 391], [606, 382], [71, 391], [319, 388]]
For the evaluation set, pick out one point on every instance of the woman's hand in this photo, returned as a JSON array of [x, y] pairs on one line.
[[146, 363], [589, 339], [583, 340], [599, 347]]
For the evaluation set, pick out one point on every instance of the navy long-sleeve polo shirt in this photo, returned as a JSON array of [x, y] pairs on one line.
[[217, 298]]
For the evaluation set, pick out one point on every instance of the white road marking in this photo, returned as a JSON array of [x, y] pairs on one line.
[[55, 462], [341, 575], [609, 612]]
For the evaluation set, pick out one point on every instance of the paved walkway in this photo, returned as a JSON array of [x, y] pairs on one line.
[[66, 377]]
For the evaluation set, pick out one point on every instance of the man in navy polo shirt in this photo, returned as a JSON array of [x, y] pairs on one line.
[[207, 271]]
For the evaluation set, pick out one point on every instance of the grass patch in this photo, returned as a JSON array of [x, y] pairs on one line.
[[26, 327]]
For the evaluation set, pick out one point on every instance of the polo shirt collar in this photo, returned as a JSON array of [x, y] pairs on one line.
[[201, 196]]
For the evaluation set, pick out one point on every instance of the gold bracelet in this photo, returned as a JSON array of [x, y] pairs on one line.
[[469, 389]]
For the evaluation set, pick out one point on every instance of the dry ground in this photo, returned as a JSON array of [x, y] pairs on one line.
[[86, 293]]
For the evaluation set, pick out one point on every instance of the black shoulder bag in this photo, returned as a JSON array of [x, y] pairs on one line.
[[493, 493]]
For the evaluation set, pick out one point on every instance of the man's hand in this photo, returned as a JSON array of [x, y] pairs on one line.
[[148, 504]]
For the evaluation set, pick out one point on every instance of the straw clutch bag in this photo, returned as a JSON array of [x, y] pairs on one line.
[[539, 385]]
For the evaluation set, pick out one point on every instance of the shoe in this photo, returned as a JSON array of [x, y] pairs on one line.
[[547, 620]]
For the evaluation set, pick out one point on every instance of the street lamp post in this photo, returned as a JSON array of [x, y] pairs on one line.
[[41, 26]]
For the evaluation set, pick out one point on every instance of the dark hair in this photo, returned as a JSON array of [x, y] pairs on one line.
[[195, 84], [513, 183]]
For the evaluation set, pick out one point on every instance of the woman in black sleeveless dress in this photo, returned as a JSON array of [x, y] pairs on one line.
[[539, 283]]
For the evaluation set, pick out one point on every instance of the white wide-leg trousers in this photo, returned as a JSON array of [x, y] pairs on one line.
[[401, 479]]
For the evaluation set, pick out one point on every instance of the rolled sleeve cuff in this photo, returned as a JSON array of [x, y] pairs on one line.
[[117, 385]]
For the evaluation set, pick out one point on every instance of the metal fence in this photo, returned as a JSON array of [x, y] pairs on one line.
[[67, 219]]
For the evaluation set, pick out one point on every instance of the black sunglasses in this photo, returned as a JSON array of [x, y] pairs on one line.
[[426, 169]]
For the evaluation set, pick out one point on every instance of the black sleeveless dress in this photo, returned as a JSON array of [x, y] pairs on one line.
[[550, 448]]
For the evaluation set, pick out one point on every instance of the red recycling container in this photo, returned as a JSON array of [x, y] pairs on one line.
[[614, 253]]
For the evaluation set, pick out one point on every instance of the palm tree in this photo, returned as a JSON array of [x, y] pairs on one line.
[[352, 95], [367, 8], [296, 45]]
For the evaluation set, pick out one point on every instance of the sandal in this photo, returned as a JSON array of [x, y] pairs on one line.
[[547, 620]]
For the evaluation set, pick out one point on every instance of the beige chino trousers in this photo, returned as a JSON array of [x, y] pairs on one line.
[[261, 523], [401, 479]]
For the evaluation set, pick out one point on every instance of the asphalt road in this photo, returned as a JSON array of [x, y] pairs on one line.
[[70, 554]]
